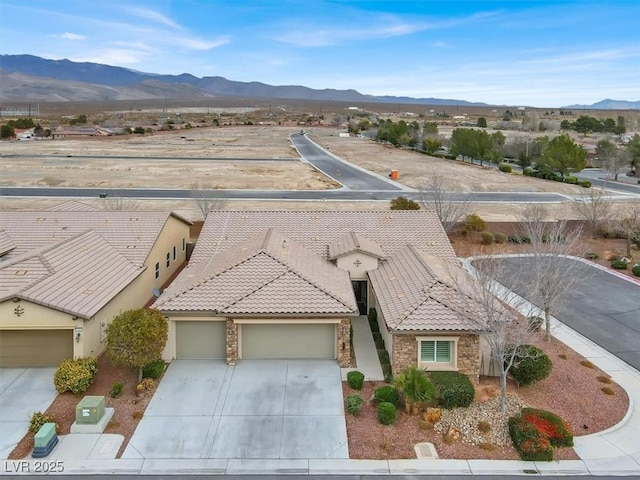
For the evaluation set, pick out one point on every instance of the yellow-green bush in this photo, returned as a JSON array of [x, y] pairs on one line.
[[38, 419], [75, 375]]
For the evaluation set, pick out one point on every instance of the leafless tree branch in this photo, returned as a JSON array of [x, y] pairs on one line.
[[434, 196]]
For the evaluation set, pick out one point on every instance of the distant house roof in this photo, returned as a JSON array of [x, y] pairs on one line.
[[265, 274], [415, 293], [84, 131], [73, 206], [390, 230], [74, 261]]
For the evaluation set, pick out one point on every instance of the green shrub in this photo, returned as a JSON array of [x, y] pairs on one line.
[[518, 239], [530, 365], [355, 379], [373, 320], [585, 183], [535, 323], [38, 419], [500, 237], [474, 223], [153, 369], [571, 179], [354, 404], [504, 167], [403, 203], [116, 390], [386, 413], [383, 356], [528, 441], [557, 430], [415, 385], [619, 264], [454, 389], [487, 238], [378, 340], [529, 172], [590, 255], [387, 393], [636, 270], [75, 375]]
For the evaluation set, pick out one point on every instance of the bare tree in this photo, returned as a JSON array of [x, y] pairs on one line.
[[206, 198], [594, 207], [550, 272], [631, 224], [118, 203], [502, 328], [612, 158], [434, 196]]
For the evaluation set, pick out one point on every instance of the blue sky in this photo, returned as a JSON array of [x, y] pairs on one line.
[[541, 53]]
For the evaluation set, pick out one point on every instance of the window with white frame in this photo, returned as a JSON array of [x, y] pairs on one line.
[[438, 353]]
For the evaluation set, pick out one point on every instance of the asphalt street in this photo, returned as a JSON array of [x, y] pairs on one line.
[[602, 307], [343, 172]]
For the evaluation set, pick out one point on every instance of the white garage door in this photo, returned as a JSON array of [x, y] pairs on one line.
[[288, 341], [200, 339]]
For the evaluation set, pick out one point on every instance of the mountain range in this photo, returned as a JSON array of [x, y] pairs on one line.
[[32, 78]]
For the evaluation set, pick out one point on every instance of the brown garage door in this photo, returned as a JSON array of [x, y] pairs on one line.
[[35, 348]]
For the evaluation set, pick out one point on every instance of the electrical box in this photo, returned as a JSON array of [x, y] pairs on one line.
[[90, 409]]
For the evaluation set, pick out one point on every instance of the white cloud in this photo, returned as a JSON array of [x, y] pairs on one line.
[[152, 15], [440, 45], [199, 44], [112, 56], [72, 36]]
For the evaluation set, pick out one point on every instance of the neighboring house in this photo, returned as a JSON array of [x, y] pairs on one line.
[[274, 284], [65, 274], [83, 132]]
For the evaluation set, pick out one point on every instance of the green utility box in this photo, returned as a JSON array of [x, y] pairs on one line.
[[43, 436], [90, 409]]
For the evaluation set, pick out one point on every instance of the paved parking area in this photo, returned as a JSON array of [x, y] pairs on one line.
[[22, 392], [268, 409]]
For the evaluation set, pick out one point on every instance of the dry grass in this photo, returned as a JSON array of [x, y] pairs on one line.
[[587, 364]]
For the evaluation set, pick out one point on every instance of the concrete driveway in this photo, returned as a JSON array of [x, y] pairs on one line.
[[22, 392], [265, 409]]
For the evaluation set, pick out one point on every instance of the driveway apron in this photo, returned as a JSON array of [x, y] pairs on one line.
[[257, 409]]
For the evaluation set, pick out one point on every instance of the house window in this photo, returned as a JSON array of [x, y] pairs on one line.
[[175, 250], [157, 269], [168, 259], [438, 353], [184, 244]]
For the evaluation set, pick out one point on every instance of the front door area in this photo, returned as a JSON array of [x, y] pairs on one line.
[[360, 291]]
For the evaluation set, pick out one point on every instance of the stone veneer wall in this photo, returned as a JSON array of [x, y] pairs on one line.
[[344, 354], [405, 353], [232, 341]]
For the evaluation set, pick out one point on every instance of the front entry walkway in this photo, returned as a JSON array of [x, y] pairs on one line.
[[263, 409], [365, 351]]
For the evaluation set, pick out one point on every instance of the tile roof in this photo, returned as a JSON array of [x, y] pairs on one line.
[[6, 243], [265, 274], [354, 242], [131, 233], [415, 293], [316, 230], [75, 261], [78, 275], [73, 206]]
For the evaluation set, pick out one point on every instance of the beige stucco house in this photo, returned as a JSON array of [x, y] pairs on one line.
[[275, 284], [64, 275]]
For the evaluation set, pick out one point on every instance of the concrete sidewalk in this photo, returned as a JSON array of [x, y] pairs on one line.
[[365, 351]]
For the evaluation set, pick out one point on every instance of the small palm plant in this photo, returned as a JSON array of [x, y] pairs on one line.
[[416, 388]]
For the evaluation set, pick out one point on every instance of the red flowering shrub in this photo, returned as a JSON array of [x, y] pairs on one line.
[[528, 441], [558, 431]]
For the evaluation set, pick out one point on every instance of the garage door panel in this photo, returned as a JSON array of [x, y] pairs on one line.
[[288, 341], [35, 348], [200, 340]]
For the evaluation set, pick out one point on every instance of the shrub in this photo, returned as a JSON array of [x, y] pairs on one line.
[[608, 391], [585, 183], [484, 427], [487, 238], [535, 323], [504, 167], [530, 365], [636, 270], [454, 389], [518, 239], [147, 384], [386, 413], [570, 179], [619, 264], [403, 203], [75, 375], [587, 364], [378, 340], [603, 379], [415, 385], [355, 379], [500, 237], [383, 356], [373, 320], [38, 419], [354, 404], [387, 393], [116, 390], [153, 369], [474, 223], [557, 430], [528, 441], [563, 356], [590, 255]]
